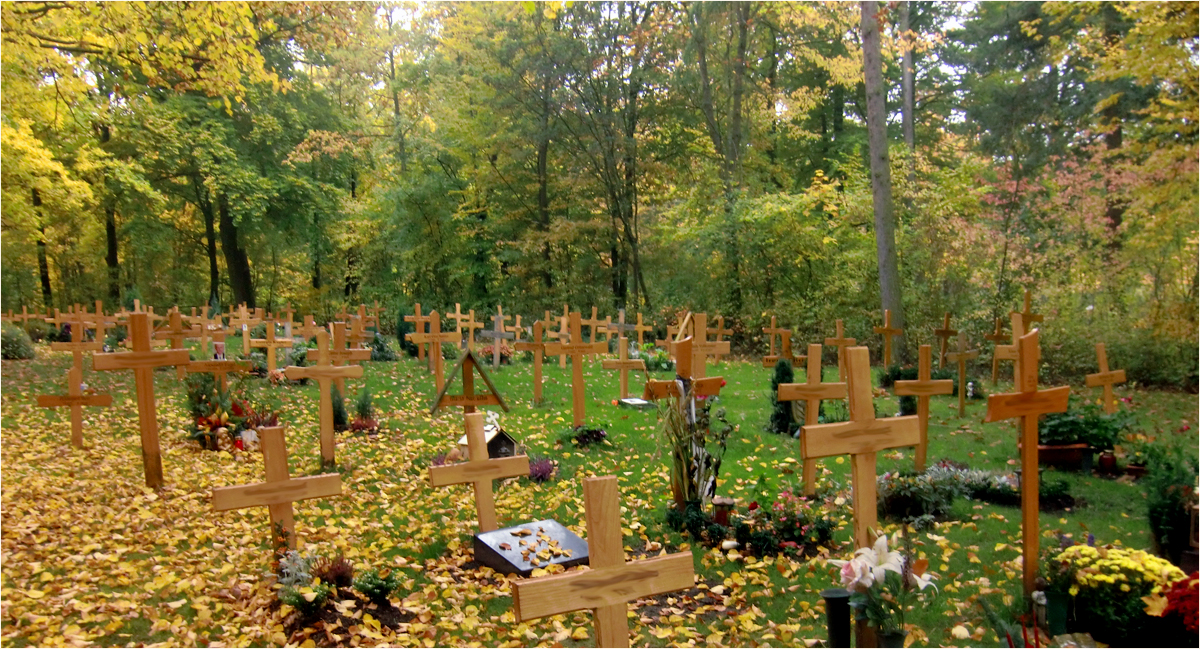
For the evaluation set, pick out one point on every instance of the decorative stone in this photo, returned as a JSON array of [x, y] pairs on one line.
[[512, 550]]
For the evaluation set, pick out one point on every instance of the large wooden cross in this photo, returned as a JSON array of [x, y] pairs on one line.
[[888, 331], [468, 400], [435, 338], [324, 372], [610, 583], [685, 360], [271, 343], [1105, 378], [944, 335], [812, 392], [923, 388], [861, 438], [142, 360], [1028, 403], [1028, 317], [998, 338], [719, 332], [279, 491], [961, 356], [576, 349], [479, 471], [497, 334], [75, 399], [241, 321], [419, 322], [623, 364], [78, 346], [537, 345], [842, 343], [176, 332]]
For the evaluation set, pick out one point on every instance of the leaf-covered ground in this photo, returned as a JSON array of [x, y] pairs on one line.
[[91, 557]]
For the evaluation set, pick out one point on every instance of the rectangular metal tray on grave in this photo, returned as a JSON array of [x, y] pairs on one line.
[[637, 404], [488, 550]]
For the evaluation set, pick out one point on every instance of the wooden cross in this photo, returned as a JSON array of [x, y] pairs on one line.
[[563, 334], [459, 317], [271, 343], [785, 349], [1028, 403], [888, 332], [812, 392], [641, 329], [208, 328], [76, 400], [100, 323], [242, 321], [284, 319], [419, 322], [435, 338], [339, 354], [497, 334], [469, 366], [685, 360], [142, 360], [537, 345], [961, 356], [77, 346], [703, 348], [324, 372], [772, 332], [719, 332], [280, 489], [516, 329], [596, 327], [576, 349], [944, 335], [861, 437], [620, 328], [1105, 378], [610, 583], [358, 336], [373, 319], [219, 369], [842, 343], [479, 471], [624, 364], [471, 324], [176, 333], [310, 328], [924, 388], [1010, 352], [1028, 317], [998, 338]]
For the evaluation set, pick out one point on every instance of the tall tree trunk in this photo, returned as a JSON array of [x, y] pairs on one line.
[[910, 139], [881, 179], [111, 261], [241, 282], [43, 262], [210, 235]]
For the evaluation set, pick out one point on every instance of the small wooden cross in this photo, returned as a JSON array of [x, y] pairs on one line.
[[772, 332], [175, 332], [961, 356], [459, 317], [77, 346], [209, 328], [998, 337], [924, 388], [861, 438], [471, 325], [576, 349], [497, 334], [641, 329], [1028, 317], [419, 323], [1010, 352], [280, 489], [944, 335], [812, 392], [1028, 403], [719, 332], [339, 354], [563, 334], [469, 366], [516, 329], [271, 343], [242, 321], [373, 319], [596, 327], [610, 583], [685, 360], [100, 322], [142, 360], [785, 349], [624, 364], [702, 348], [284, 319], [842, 343], [537, 345], [219, 369], [435, 338], [76, 400], [324, 372], [620, 328], [479, 471], [888, 332], [309, 329], [1105, 378], [358, 336]]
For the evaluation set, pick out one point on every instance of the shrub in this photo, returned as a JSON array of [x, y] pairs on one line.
[[907, 497], [298, 356], [258, 331], [403, 328], [39, 330], [1170, 482], [380, 350], [1087, 424], [450, 351], [376, 587], [833, 411], [364, 406], [337, 572], [541, 469], [584, 436], [781, 420], [15, 344], [294, 569], [657, 360], [340, 420]]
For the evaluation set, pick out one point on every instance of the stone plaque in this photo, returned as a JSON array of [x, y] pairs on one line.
[[520, 549]]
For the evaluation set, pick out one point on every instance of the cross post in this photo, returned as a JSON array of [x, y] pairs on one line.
[[497, 334], [888, 331], [324, 372], [961, 356], [479, 471], [623, 364], [75, 399], [842, 343], [923, 388], [944, 335], [537, 345], [1105, 378], [812, 392], [576, 349]]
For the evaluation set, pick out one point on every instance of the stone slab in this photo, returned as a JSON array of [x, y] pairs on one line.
[[637, 404], [501, 550]]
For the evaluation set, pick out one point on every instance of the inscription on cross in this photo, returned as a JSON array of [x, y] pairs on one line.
[[480, 471], [961, 356], [576, 349], [324, 372], [944, 335], [74, 399], [812, 392], [1105, 378], [888, 332], [924, 388], [271, 344]]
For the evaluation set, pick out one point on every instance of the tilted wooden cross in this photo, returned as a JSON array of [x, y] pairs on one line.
[[961, 356], [279, 490], [419, 327], [1105, 378], [1028, 317], [339, 354], [1028, 403], [702, 348], [271, 343], [576, 349], [241, 322], [176, 332], [324, 372], [861, 438], [623, 364], [479, 471], [1010, 352], [497, 334], [719, 332], [468, 365], [785, 351], [998, 338], [924, 388], [435, 338], [75, 399], [944, 335], [842, 343], [77, 346], [610, 583], [888, 331], [537, 345], [142, 360], [812, 392]]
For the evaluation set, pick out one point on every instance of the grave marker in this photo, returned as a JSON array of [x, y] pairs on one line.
[[77, 347], [479, 471], [310, 328], [1105, 378], [610, 583], [861, 438], [339, 354], [324, 372], [562, 334], [537, 345], [419, 321], [812, 392], [772, 331], [435, 338], [842, 343], [516, 329], [685, 360], [719, 332], [240, 322], [1010, 352], [702, 348], [471, 325], [142, 360], [961, 356], [1028, 403], [576, 349], [219, 369], [1028, 317], [373, 319], [75, 399], [596, 327], [271, 343], [888, 331], [358, 336], [175, 332], [469, 366], [998, 338], [623, 364], [497, 334], [924, 388], [944, 335]]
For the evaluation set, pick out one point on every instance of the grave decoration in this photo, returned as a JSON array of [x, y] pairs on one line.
[[271, 344], [75, 399], [923, 388], [888, 332], [1105, 378], [1028, 403], [961, 356], [142, 360], [944, 335], [499, 443], [842, 343], [419, 328], [537, 345], [279, 490], [610, 583], [860, 438], [498, 334], [468, 366], [324, 372], [479, 471], [1028, 317], [435, 338], [719, 333], [576, 349], [623, 364], [998, 338], [812, 392]]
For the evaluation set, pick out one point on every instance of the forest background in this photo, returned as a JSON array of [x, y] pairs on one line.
[[649, 156]]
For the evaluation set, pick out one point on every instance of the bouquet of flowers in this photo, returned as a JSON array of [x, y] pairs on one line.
[[884, 583]]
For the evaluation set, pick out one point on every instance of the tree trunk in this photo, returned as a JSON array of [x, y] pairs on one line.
[[43, 262], [241, 282], [910, 139], [881, 180], [210, 235], [111, 261]]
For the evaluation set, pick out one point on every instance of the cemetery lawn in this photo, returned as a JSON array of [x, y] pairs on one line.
[[91, 557]]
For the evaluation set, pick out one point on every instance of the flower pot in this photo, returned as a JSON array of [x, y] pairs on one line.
[[891, 638], [1057, 605], [1135, 470], [1064, 455], [1108, 462]]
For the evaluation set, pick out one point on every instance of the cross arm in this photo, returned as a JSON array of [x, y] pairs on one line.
[[574, 591], [276, 493], [324, 372], [59, 400], [924, 388], [1020, 404], [799, 391], [853, 438], [137, 360], [491, 469], [1105, 378]]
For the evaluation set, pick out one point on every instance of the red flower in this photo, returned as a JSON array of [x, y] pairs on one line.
[[722, 382], [753, 506]]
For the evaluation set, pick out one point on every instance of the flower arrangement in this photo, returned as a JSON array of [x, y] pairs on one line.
[[1179, 602], [885, 583], [506, 352]]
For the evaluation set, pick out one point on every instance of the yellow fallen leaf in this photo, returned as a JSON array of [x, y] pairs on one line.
[[960, 632], [580, 633]]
